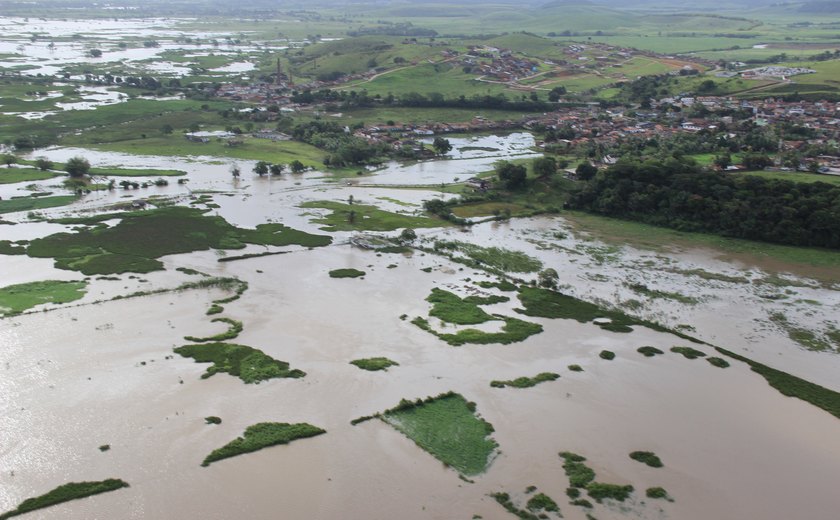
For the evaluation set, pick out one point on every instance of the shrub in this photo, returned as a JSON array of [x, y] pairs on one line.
[[647, 457], [649, 351]]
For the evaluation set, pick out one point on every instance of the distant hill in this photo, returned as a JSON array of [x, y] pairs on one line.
[[821, 7]]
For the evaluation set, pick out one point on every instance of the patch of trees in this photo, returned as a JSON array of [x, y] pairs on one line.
[[414, 99], [395, 29], [687, 197], [344, 148]]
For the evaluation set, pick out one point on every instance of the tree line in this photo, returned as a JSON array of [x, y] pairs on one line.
[[688, 197]]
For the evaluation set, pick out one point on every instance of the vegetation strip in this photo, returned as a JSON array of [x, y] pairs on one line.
[[526, 382], [65, 493], [232, 332], [792, 386], [262, 435], [346, 273]]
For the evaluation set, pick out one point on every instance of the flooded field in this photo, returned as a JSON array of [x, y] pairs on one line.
[[100, 371], [131, 46]]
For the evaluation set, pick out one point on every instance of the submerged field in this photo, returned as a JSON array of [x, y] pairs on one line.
[[316, 345], [534, 363]]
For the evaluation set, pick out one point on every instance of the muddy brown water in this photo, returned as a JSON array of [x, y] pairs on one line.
[[73, 379]]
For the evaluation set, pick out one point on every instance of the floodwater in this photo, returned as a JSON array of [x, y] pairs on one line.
[[48, 46], [89, 374]]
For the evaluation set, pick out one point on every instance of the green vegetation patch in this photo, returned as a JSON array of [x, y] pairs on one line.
[[346, 273], [65, 493], [447, 427], [134, 172], [140, 238], [607, 354], [374, 364], [248, 364], [8, 247], [656, 294], [35, 203], [513, 331], [13, 175], [647, 457], [360, 217], [688, 352], [502, 285], [212, 419], [504, 260], [718, 362], [657, 493], [649, 351], [580, 475], [810, 339], [599, 491], [263, 435], [233, 331], [451, 308], [542, 502], [544, 303], [792, 386], [18, 298], [527, 382], [504, 500]]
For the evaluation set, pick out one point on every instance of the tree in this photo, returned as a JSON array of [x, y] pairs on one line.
[[757, 161], [43, 164], [544, 167], [548, 278], [723, 161], [297, 166], [261, 168], [9, 160], [408, 235], [441, 145], [95, 53], [513, 175], [167, 129], [585, 171], [276, 169], [77, 167], [350, 200], [235, 171], [555, 93]]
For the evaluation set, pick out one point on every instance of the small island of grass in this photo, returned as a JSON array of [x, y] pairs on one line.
[[65, 493], [647, 457], [262, 435], [374, 364], [346, 273], [526, 382], [649, 351], [448, 428], [15, 299], [688, 352], [248, 364]]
